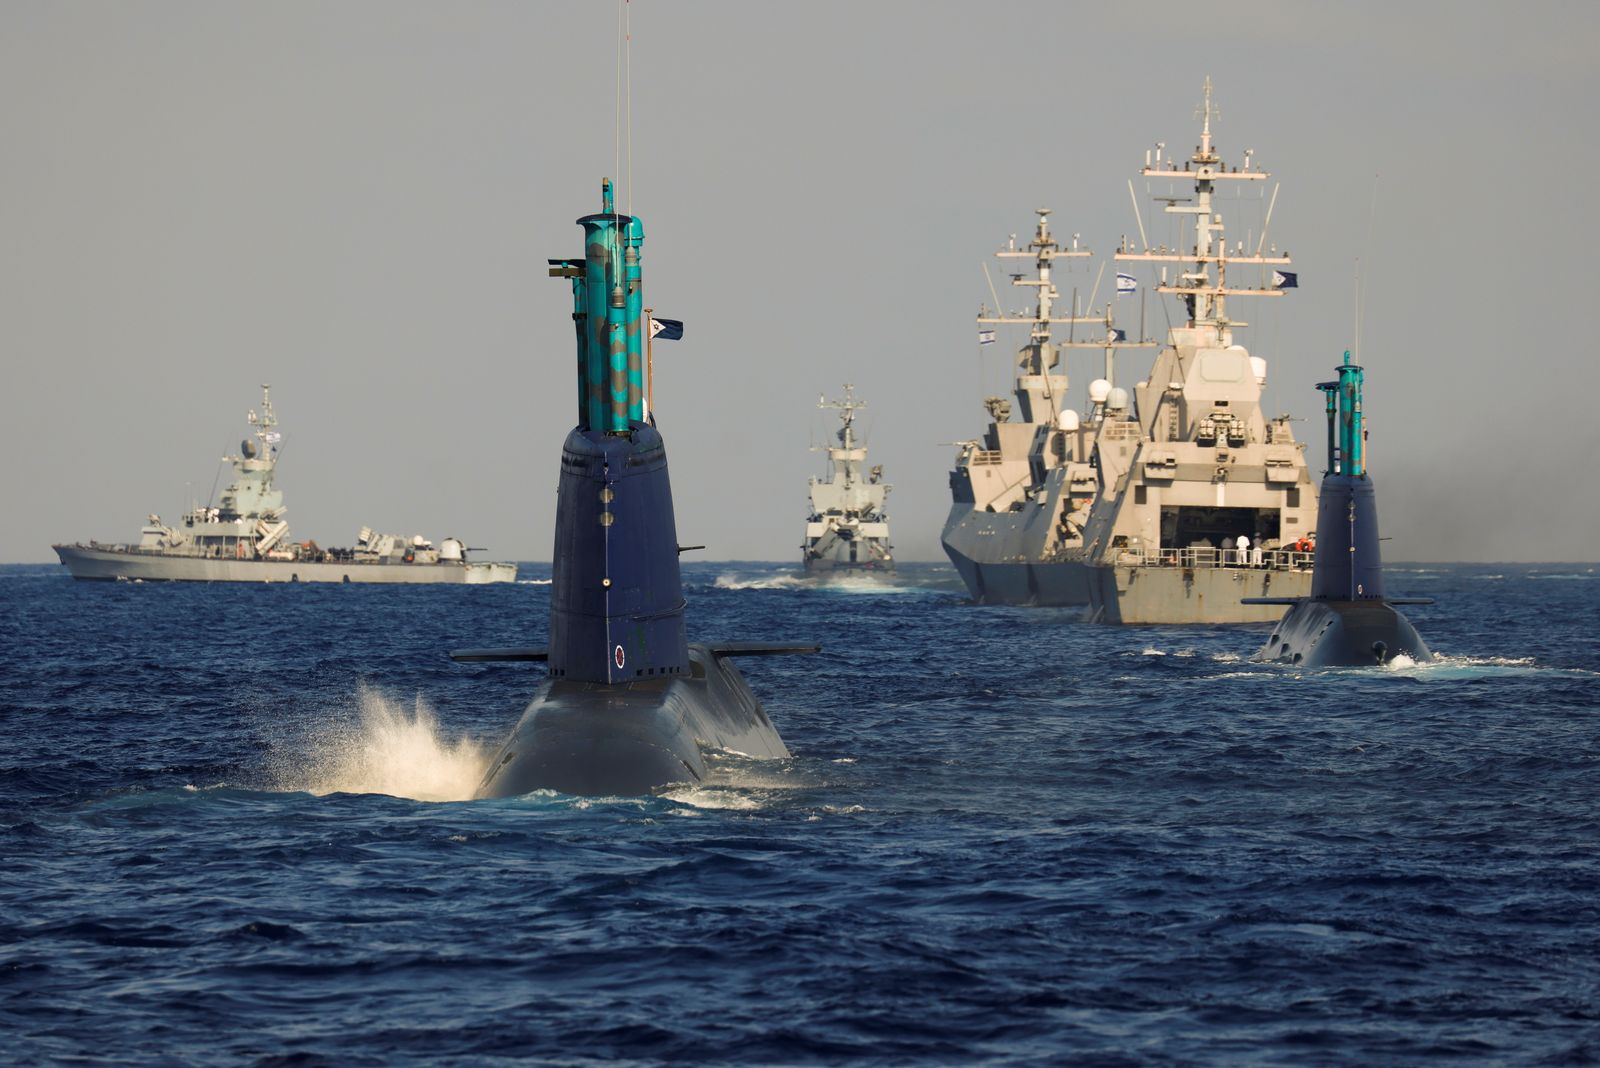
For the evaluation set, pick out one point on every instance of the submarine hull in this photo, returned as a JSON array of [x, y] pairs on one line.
[[608, 740], [1362, 633]]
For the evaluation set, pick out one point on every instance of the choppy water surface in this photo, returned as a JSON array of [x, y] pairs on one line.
[[233, 829]]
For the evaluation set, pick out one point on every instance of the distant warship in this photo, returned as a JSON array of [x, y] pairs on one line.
[[246, 539], [1135, 509], [1347, 621], [848, 529], [627, 705]]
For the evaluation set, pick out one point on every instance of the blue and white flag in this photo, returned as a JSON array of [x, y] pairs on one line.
[[1126, 283], [273, 437], [1113, 334], [666, 329], [986, 337], [1285, 280]]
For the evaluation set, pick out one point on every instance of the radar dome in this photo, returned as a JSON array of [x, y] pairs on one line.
[[1099, 389], [1067, 420], [1117, 401], [248, 449], [1258, 367]]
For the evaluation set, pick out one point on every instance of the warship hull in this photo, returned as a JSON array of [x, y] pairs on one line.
[[87, 562], [607, 740], [827, 565], [999, 565]]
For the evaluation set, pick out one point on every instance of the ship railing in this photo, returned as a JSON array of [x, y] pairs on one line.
[[1201, 557]]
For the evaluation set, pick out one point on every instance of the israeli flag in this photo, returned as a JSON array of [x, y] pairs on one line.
[[986, 337], [666, 329], [1113, 334], [1126, 283], [1285, 280]]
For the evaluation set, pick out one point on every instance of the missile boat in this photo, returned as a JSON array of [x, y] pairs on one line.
[[627, 705], [847, 529], [244, 537], [1347, 621]]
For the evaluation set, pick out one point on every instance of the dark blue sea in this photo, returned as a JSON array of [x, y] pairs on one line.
[[231, 831]]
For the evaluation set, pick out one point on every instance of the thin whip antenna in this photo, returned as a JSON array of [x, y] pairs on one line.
[[1095, 292], [998, 309], [617, 167], [627, 26], [1372, 219], [1266, 224], [1138, 217]]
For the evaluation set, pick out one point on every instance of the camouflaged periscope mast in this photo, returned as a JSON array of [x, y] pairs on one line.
[[847, 529], [1136, 509], [1347, 621], [245, 538], [627, 705]]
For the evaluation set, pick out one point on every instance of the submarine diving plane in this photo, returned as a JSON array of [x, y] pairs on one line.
[[1347, 621], [627, 705]]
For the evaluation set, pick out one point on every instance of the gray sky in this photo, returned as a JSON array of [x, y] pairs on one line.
[[354, 201]]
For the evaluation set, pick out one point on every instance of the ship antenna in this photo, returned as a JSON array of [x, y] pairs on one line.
[[627, 38], [1372, 220]]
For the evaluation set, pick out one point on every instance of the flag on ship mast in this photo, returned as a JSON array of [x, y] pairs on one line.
[[666, 329], [1126, 283], [986, 337], [1285, 280]]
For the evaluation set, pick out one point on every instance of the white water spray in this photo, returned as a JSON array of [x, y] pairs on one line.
[[388, 750]]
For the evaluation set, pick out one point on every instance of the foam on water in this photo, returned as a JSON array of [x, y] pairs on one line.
[[386, 749], [733, 581], [891, 582]]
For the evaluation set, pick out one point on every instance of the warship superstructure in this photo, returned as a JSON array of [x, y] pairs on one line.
[[848, 529], [245, 538], [627, 705], [1136, 508], [1347, 621]]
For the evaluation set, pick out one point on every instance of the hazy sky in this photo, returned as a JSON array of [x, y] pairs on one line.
[[354, 202]]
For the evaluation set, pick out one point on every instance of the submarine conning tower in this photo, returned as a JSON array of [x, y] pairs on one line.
[[1348, 565], [616, 604]]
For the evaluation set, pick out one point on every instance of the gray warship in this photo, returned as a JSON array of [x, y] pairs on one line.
[[847, 529], [245, 538], [1135, 509]]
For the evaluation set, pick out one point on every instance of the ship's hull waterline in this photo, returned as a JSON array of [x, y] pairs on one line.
[[1002, 571], [112, 564]]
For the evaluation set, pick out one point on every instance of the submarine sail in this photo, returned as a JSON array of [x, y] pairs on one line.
[[1348, 621], [627, 705]]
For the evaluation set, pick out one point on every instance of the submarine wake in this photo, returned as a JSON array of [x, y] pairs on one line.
[[387, 749]]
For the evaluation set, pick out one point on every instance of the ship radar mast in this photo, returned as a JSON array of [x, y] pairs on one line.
[[847, 409], [264, 427], [1040, 390], [1206, 296]]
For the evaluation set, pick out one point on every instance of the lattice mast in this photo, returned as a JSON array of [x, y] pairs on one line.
[[1206, 296]]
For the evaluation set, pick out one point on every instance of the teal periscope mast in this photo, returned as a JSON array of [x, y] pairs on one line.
[[1348, 621], [628, 705]]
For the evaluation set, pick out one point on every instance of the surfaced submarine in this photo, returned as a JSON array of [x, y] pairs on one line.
[[627, 705], [1347, 621]]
